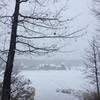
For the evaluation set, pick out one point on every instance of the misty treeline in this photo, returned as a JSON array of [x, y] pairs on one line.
[[31, 27]]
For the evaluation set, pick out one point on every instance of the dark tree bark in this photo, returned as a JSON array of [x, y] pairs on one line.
[[9, 65], [96, 69]]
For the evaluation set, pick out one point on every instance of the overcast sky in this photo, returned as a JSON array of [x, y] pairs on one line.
[[85, 19], [75, 48]]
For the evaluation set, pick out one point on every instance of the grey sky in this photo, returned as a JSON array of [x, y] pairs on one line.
[[85, 17], [80, 9]]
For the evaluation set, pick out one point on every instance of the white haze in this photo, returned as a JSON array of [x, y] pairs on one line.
[[84, 18], [47, 82]]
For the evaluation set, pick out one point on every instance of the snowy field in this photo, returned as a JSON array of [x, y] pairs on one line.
[[46, 83]]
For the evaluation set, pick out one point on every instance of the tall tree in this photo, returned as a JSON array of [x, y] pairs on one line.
[[92, 65], [32, 27], [9, 65]]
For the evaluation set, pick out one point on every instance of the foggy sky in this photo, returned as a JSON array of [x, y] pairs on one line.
[[74, 49], [84, 18]]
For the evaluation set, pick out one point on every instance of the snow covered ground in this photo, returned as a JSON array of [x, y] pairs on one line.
[[46, 83]]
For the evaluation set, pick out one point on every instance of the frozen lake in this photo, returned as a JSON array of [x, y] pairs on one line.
[[46, 83]]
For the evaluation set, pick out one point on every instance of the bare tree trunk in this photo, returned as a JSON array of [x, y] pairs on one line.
[[9, 65], [96, 69], [97, 83]]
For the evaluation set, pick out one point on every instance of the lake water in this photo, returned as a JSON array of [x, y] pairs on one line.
[[46, 83]]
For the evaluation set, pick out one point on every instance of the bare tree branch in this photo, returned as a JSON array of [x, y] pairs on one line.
[[71, 35], [37, 18], [3, 60], [38, 48], [23, 1]]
